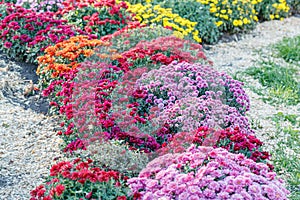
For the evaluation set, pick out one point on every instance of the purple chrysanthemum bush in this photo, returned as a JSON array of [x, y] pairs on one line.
[[188, 96], [206, 173], [193, 80]]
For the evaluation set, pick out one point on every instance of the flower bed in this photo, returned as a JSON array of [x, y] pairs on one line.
[[145, 95]]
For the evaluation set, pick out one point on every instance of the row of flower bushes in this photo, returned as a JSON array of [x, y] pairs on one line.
[[25, 31], [144, 114], [150, 120], [207, 19]]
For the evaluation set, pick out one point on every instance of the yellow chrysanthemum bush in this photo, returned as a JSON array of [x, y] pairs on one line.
[[207, 26], [156, 14], [206, 20], [232, 15], [271, 9]]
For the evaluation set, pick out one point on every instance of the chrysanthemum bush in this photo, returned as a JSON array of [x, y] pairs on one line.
[[163, 50], [206, 173], [232, 140], [81, 179], [190, 95], [184, 79], [60, 61], [232, 16], [87, 106], [100, 17], [272, 9], [86, 103], [155, 14], [207, 25], [25, 34]]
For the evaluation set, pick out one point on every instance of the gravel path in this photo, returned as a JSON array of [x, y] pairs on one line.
[[28, 144], [239, 55]]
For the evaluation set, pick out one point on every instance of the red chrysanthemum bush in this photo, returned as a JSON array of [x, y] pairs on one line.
[[161, 51], [206, 173], [234, 141], [81, 179], [99, 17], [92, 112], [25, 33], [87, 101]]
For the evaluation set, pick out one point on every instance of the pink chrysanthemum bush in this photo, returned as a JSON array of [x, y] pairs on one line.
[[187, 79], [206, 173]]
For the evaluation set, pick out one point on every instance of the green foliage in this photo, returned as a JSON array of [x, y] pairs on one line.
[[280, 81], [123, 40], [289, 49], [293, 119], [128, 162], [294, 6], [286, 152]]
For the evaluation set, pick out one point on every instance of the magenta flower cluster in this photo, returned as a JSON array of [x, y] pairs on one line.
[[25, 34], [207, 173]]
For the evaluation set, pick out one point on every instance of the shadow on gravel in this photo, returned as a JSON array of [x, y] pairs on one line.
[[5, 181], [15, 81]]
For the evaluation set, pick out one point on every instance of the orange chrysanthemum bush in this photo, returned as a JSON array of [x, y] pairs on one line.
[[60, 61]]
